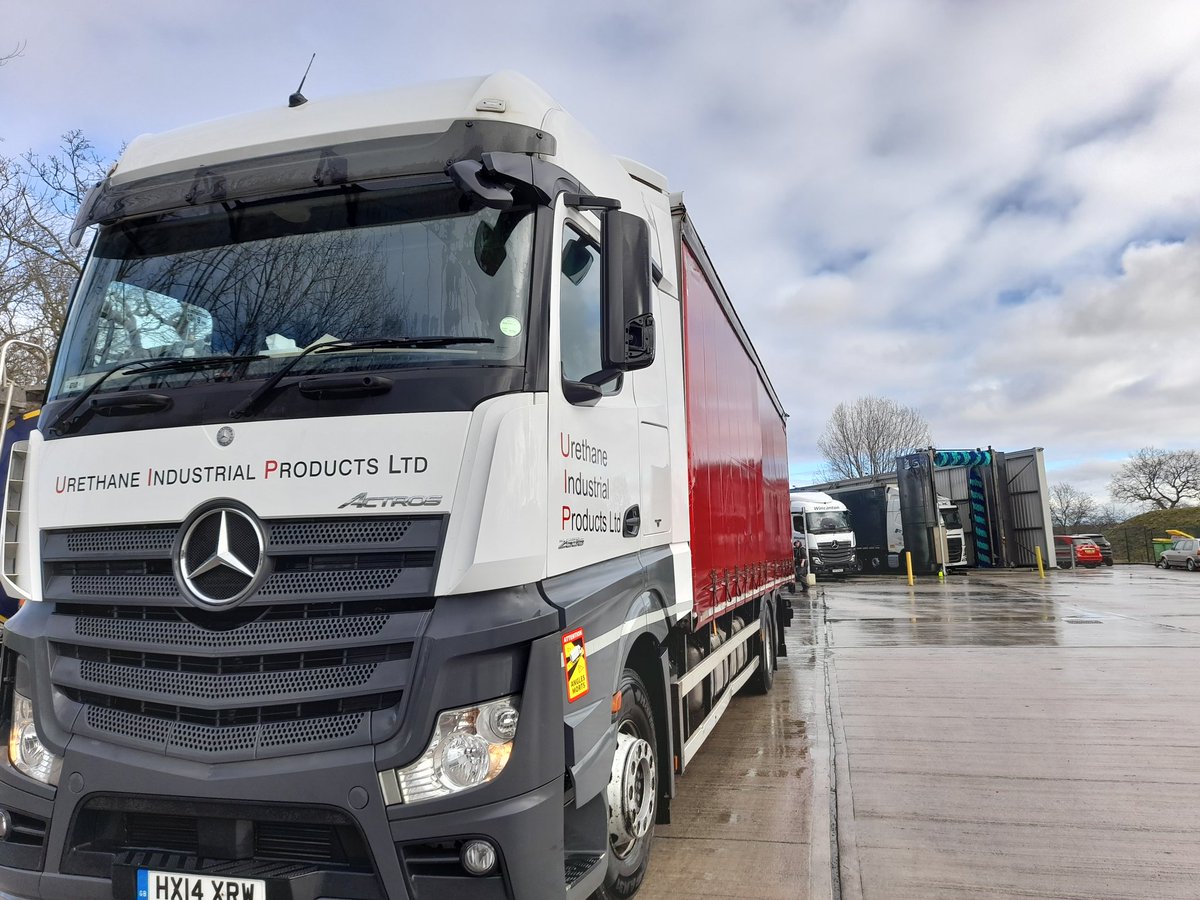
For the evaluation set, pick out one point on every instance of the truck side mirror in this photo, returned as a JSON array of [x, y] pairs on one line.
[[626, 320]]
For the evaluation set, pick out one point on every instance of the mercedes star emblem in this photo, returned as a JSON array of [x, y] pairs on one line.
[[224, 435], [221, 556]]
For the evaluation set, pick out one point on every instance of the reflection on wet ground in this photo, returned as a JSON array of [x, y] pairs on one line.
[[1007, 736], [741, 818], [1011, 609], [992, 735]]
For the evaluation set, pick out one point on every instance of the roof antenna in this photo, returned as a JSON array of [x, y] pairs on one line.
[[298, 99]]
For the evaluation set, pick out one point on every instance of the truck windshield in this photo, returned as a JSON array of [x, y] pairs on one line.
[[828, 521], [269, 279], [950, 517]]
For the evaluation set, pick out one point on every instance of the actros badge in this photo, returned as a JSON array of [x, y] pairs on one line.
[[221, 556], [363, 501]]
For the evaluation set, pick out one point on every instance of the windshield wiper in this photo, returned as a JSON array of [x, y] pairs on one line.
[[67, 421], [251, 403]]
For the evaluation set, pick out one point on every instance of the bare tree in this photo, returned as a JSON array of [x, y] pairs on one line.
[[865, 437], [1106, 515], [38, 265], [18, 50], [1164, 478], [1069, 507]]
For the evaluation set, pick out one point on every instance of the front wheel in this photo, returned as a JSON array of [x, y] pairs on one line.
[[1163, 564], [632, 793]]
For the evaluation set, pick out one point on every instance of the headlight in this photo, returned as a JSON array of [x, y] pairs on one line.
[[25, 749], [469, 747], [816, 560]]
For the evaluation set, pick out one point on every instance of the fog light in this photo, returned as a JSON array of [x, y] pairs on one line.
[[5, 824], [478, 857]]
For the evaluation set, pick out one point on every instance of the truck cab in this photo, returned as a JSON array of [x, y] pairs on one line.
[[821, 526], [374, 539], [956, 543]]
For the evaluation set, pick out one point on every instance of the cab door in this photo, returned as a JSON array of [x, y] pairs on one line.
[[595, 464]]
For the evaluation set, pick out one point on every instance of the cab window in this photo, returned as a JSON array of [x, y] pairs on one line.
[[579, 313]]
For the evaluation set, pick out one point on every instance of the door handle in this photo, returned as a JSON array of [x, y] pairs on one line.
[[632, 523]]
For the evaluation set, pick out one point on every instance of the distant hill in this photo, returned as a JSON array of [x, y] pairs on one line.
[[1132, 540]]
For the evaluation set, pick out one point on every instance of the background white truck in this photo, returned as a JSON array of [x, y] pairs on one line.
[[408, 504], [823, 527], [876, 517]]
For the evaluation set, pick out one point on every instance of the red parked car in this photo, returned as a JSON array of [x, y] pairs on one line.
[[1085, 552]]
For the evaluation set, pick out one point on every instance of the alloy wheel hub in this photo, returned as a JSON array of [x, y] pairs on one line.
[[632, 789]]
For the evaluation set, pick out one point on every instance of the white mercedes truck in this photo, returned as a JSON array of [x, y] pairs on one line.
[[407, 505], [874, 509], [822, 528]]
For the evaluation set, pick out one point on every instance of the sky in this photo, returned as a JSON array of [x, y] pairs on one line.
[[988, 211]]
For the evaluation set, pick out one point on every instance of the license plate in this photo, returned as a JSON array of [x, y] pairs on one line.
[[152, 885], [837, 571]]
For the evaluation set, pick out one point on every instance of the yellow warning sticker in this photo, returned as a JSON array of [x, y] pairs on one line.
[[575, 661]]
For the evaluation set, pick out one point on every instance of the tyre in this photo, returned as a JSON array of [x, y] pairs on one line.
[[1191, 565], [632, 793], [764, 676], [1162, 563]]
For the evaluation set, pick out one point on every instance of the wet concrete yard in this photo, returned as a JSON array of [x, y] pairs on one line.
[[995, 735]]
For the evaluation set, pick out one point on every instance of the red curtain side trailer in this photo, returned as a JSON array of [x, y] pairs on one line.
[[737, 448]]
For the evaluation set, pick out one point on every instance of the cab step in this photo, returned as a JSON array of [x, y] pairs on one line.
[[584, 872]]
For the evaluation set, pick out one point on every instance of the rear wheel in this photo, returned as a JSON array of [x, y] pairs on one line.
[[764, 676], [1191, 565], [632, 793]]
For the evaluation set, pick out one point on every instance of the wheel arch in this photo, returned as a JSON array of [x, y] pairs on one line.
[[648, 657]]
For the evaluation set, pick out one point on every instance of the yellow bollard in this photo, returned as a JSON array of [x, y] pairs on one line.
[[908, 564], [1041, 568]]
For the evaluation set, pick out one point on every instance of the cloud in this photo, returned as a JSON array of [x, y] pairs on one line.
[[981, 210]]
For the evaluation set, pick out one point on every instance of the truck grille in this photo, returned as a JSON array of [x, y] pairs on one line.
[[954, 549], [200, 689], [834, 555], [307, 559], [280, 674]]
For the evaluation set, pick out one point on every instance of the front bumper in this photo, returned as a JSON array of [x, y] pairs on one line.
[[406, 854], [313, 823], [846, 566]]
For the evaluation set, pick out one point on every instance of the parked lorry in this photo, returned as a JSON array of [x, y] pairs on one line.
[[408, 504], [875, 513], [822, 528]]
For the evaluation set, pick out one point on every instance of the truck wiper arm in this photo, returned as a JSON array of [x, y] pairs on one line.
[[250, 404], [67, 421]]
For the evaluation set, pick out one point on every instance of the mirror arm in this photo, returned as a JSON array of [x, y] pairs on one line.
[[587, 201], [471, 178], [579, 393]]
